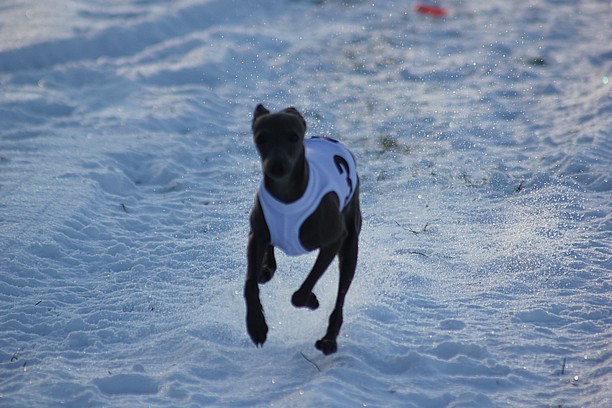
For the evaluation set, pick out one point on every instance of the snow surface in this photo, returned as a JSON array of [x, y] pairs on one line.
[[127, 174]]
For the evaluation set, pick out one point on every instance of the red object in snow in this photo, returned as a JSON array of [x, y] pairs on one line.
[[431, 10]]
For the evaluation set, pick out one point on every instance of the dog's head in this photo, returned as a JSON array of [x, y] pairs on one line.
[[279, 138]]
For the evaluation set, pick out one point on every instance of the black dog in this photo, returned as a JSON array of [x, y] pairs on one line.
[[308, 199]]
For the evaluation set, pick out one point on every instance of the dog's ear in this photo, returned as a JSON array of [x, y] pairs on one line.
[[260, 111], [293, 111]]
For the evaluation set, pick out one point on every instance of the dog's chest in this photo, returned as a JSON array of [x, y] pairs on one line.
[[332, 168]]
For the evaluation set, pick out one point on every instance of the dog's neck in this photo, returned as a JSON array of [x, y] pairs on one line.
[[292, 187]]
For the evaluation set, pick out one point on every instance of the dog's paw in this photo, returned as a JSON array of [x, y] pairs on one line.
[[310, 301], [257, 327], [327, 346]]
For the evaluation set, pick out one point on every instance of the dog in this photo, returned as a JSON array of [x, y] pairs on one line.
[[308, 200]]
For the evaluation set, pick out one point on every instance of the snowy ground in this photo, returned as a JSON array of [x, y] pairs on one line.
[[127, 173]]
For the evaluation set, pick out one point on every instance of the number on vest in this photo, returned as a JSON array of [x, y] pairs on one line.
[[343, 167]]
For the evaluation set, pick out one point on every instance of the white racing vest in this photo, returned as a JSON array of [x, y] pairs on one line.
[[331, 168]]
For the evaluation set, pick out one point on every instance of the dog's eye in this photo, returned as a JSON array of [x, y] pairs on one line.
[[294, 138]]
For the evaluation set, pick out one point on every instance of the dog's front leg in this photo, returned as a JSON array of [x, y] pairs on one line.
[[255, 320], [269, 265], [304, 297]]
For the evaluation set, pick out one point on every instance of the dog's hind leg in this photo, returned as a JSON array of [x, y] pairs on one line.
[[347, 257], [269, 265], [347, 265]]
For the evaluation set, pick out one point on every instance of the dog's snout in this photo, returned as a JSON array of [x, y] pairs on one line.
[[277, 169]]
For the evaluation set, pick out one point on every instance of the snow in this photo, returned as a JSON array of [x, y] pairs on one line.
[[127, 173]]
